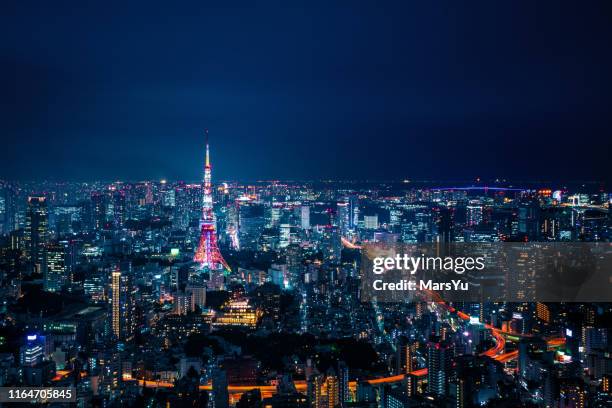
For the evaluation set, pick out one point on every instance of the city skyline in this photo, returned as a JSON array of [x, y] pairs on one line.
[[248, 296], [398, 207]]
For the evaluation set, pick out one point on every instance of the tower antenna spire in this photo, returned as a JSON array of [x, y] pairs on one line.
[[207, 153]]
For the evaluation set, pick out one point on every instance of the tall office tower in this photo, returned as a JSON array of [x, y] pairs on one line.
[[275, 215], [110, 372], [314, 391], [3, 211], [419, 309], [528, 220], [411, 384], [179, 275], [220, 395], [343, 383], [208, 254], [474, 213], [284, 235], [56, 271], [370, 221], [98, 207], [36, 231], [529, 349], [33, 351], [167, 194], [458, 391], [551, 389], [198, 295], [305, 217], [439, 359], [343, 217], [444, 224], [251, 224], [183, 303], [405, 356], [119, 208], [365, 392], [122, 303], [331, 244], [332, 384], [353, 210]]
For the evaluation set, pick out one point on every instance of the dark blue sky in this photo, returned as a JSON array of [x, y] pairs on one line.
[[350, 90]]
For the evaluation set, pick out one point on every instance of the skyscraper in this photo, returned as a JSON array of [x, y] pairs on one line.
[[331, 244], [305, 217], [98, 205], [36, 231], [353, 211], [119, 208], [33, 351], [343, 377], [208, 254], [405, 354], [332, 384], [56, 271], [122, 304], [439, 355], [183, 302], [220, 396], [198, 295], [343, 217], [370, 221]]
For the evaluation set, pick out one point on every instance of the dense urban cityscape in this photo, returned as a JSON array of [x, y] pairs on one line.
[[219, 294]]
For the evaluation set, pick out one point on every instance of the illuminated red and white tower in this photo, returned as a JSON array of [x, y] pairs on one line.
[[208, 254]]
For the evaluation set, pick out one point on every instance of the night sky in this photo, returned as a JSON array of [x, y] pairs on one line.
[[348, 91]]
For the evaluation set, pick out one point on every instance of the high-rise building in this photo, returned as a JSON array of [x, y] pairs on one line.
[[370, 221], [405, 356], [7, 209], [33, 351], [56, 271], [315, 390], [331, 244], [36, 231], [343, 383], [411, 384], [474, 213], [365, 392], [122, 303], [99, 203], [332, 385], [198, 295], [543, 312], [439, 359], [183, 303], [119, 209], [285, 235], [353, 210], [250, 224], [179, 274], [220, 395], [343, 217], [305, 217], [459, 394]]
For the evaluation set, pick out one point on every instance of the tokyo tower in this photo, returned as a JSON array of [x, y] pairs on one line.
[[208, 254]]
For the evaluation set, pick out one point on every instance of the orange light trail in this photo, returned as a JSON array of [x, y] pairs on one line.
[[349, 244]]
